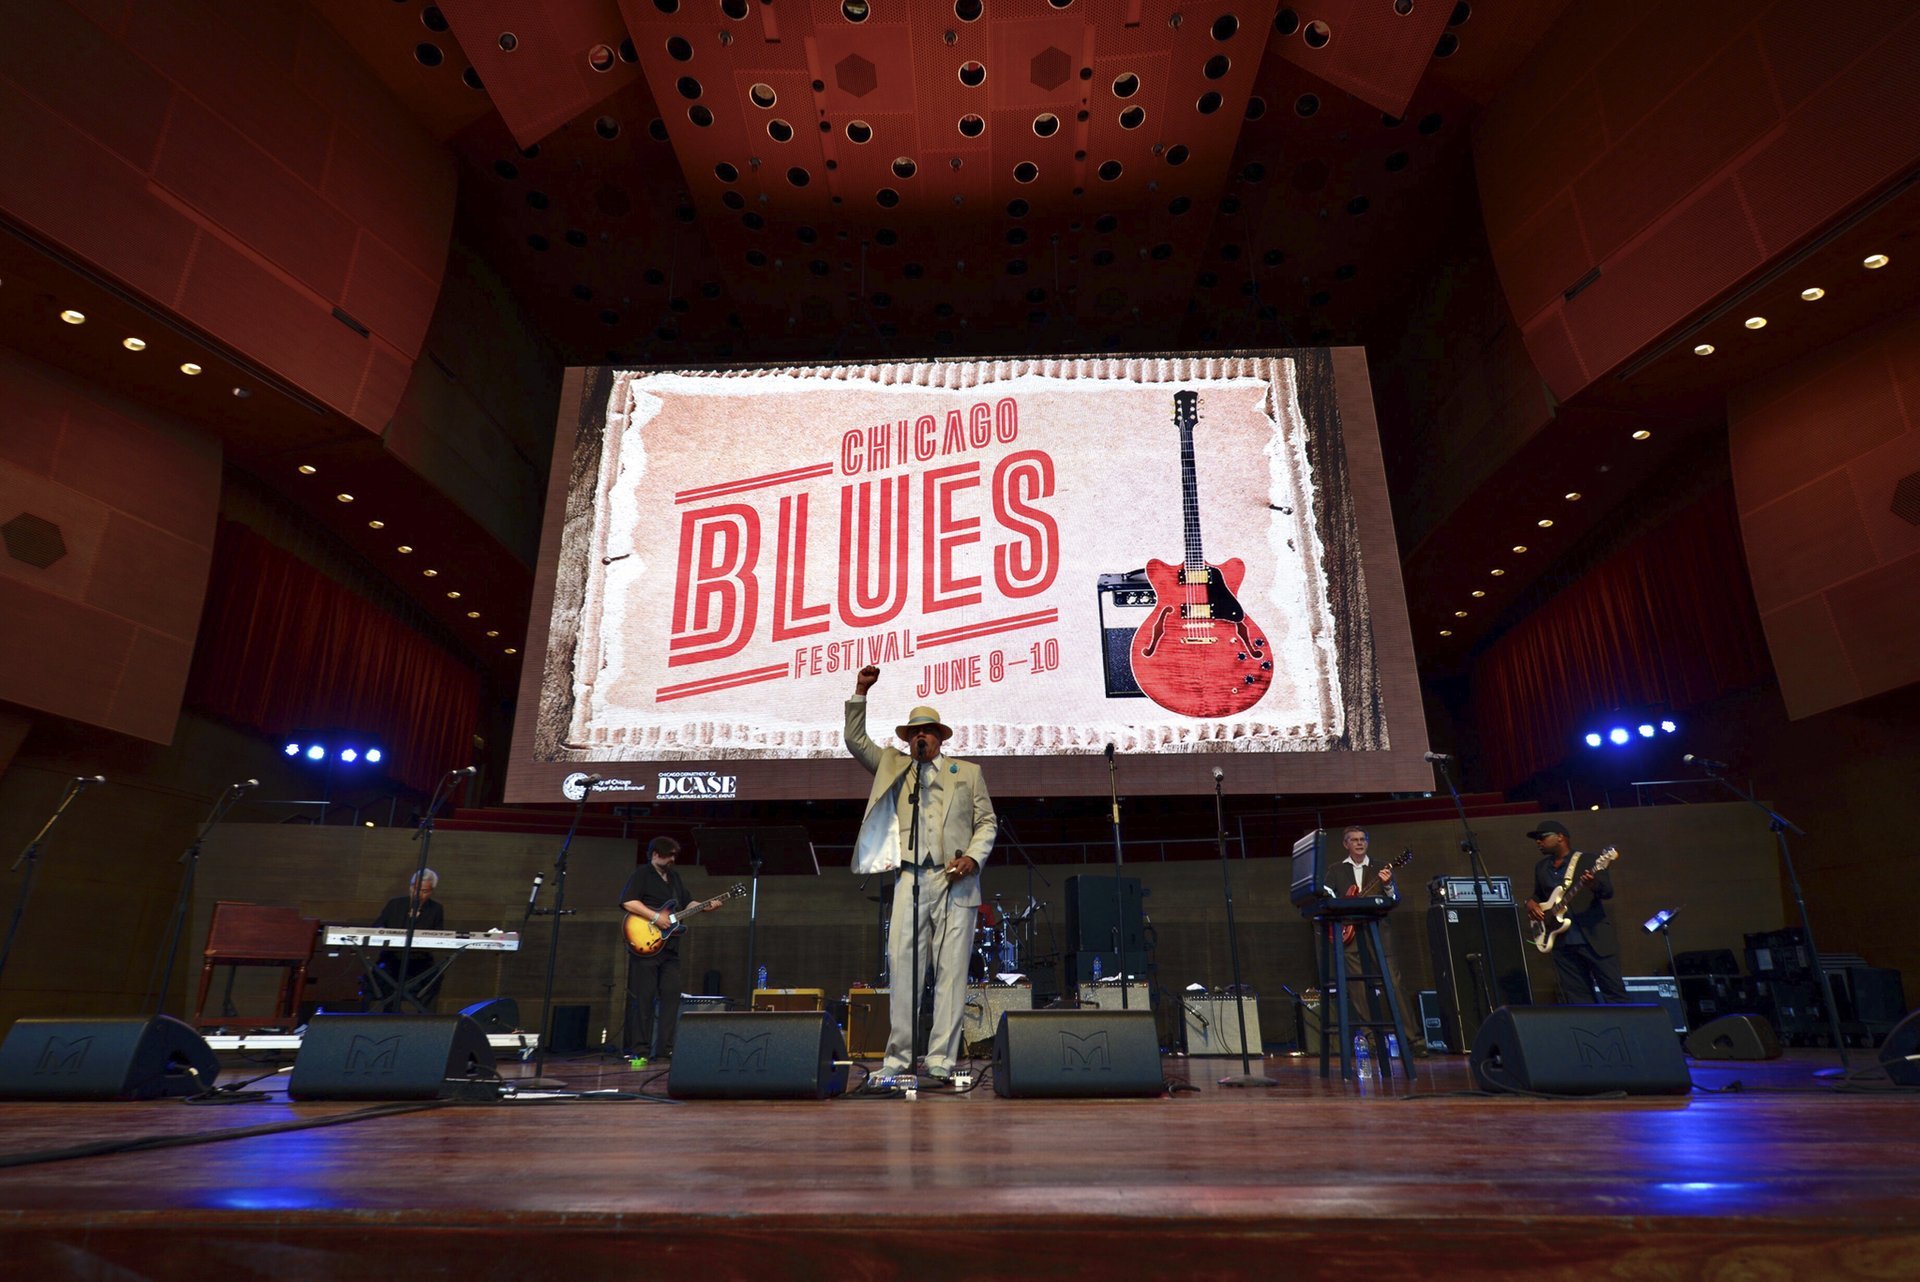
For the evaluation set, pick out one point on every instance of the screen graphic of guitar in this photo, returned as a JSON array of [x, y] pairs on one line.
[[1559, 905], [646, 939], [1197, 653], [1373, 887]]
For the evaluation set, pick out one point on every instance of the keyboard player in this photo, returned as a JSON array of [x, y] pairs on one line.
[[421, 910]]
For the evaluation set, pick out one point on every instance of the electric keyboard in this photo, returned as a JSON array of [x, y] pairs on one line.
[[457, 940]]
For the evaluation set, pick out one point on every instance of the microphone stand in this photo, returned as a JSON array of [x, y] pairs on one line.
[[31, 858], [1026, 920], [913, 861], [424, 835], [1119, 861], [1780, 826], [1483, 977], [225, 802], [1247, 1076], [540, 1081], [753, 914]]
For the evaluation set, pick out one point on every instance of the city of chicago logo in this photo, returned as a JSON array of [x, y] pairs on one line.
[[574, 786]]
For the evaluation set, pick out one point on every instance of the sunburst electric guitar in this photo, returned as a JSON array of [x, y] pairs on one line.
[[1198, 653], [1559, 905], [646, 939]]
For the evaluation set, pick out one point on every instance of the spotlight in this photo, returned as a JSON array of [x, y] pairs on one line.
[[292, 750], [373, 756], [1646, 729], [316, 753], [1618, 735], [1593, 738], [349, 756], [72, 317], [133, 344], [1668, 727]]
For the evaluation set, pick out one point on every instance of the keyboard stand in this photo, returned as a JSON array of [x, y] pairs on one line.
[[1365, 916]]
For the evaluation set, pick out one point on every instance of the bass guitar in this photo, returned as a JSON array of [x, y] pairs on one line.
[[1373, 887], [1559, 905], [1198, 653], [646, 939]]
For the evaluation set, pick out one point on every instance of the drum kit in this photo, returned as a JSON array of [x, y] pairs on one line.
[[1002, 940]]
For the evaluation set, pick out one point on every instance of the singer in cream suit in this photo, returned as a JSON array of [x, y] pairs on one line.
[[956, 830]]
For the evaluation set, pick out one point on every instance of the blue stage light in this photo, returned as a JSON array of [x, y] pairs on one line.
[[1593, 738], [316, 753], [373, 756], [349, 756], [293, 750], [1646, 730], [1618, 735], [1668, 726]]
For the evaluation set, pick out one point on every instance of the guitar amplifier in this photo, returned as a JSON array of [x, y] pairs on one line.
[[980, 1017], [1107, 996], [808, 999], [1212, 1026], [869, 1016], [1126, 602]]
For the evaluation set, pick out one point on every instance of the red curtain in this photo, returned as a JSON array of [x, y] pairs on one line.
[[284, 649], [1668, 621]]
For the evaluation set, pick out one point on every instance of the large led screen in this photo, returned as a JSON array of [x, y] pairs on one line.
[[1188, 557]]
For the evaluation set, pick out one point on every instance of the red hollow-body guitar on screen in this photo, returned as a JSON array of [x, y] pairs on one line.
[[1198, 653]]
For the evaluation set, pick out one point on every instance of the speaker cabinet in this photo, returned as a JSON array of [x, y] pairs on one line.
[[1076, 1053], [130, 1059], [1461, 975], [394, 1057], [1091, 905], [1900, 1053], [758, 1055], [1212, 1025], [1580, 1050], [869, 1020], [980, 1020], [1734, 1037]]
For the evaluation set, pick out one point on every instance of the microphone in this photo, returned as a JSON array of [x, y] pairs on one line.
[[84, 780], [245, 784], [1436, 757], [1218, 774], [464, 770], [591, 782], [1109, 754], [1705, 763], [533, 896]]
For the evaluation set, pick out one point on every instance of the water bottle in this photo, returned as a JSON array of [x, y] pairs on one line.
[[760, 978], [1096, 967], [1360, 1051], [1393, 1046]]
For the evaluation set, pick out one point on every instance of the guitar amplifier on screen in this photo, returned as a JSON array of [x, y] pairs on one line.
[[1126, 601]]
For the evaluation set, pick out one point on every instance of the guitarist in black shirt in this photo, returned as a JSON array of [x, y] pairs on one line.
[[652, 892], [1587, 955]]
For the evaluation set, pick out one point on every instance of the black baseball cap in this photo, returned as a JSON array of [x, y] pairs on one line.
[[1550, 826]]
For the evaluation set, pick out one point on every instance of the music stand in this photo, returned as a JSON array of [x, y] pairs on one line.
[[783, 850]]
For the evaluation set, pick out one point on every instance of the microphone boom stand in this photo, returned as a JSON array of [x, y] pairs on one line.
[[1483, 977], [1780, 825], [540, 1080], [222, 804], [424, 835], [1119, 901], [31, 858], [1247, 1076]]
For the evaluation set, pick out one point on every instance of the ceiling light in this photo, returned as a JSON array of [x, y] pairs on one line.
[[188, 367], [405, 549], [1813, 293], [1521, 548], [1459, 614], [1446, 632], [376, 525], [1478, 593], [1496, 573], [1756, 322], [473, 614], [453, 596], [72, 317], [430, 573], [1703, 349], [511, 650], [1874, 262], [343, 498], [1571, 496], [241, 393], [493, 632], [1642, 434], [133, 344], [307, 469], [1545, 523]]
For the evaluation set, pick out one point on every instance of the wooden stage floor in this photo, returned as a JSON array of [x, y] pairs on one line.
[[1790, 1176]]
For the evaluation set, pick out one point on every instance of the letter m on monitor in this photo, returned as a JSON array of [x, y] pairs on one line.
[[1602, 1048], [744, 1054], [61, 1055], [373, 1055], [1084, 1054]]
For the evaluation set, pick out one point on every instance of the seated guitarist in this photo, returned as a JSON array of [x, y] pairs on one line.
[[653, 892], [1588, 954], [1353, 875]]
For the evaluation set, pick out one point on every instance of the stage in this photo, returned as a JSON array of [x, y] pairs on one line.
[[1768, 1169]]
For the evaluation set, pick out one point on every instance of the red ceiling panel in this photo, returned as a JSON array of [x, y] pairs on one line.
[[1809, 659], [1494, 39], [1805, 541], [161, 475], [119, 101], [1874, 475], [383, 381], [1811, 418], [388, 294], [363, 58], [1879, 625], [1545, 258], [151, 577], [152, 683], [1558, 145], [240, 190], [1374, 51], [401, 188], [54, 652], [1667, 48], [533, 57]]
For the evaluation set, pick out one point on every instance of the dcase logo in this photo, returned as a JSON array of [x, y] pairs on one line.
[[574, 786], [697, 784]]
